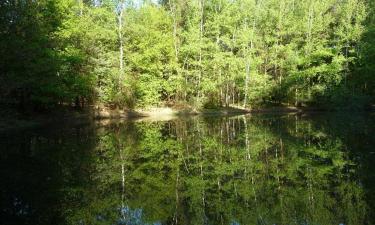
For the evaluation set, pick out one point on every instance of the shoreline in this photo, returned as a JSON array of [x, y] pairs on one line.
[[10, 122]]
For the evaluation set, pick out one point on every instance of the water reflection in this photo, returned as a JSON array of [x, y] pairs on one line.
[[239, 170]]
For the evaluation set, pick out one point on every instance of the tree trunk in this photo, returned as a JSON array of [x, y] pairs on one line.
[[246, 82], [200, 45], [121, 47], [173, 9]]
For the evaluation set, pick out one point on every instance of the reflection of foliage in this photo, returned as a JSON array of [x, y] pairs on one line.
[[217, 171], [258, 170]]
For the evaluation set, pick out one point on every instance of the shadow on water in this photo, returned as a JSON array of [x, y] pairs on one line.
[[263, 169]]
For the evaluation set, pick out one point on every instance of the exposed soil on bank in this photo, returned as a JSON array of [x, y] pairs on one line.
[[11, 120], [156, 112]]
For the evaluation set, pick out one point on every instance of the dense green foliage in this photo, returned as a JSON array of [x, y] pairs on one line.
[[239, 170], [205, 53]]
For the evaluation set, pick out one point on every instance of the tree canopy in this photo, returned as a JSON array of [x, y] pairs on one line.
[[203, 53]]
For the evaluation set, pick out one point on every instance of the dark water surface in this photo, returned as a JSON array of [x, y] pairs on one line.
[[264, 169]]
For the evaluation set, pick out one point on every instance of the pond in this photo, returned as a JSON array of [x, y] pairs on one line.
[[254, 169]]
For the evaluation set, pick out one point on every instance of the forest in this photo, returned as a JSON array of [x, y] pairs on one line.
[[198, 53]]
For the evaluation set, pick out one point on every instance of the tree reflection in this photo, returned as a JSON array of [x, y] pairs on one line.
[[238, 170], [231, 170]]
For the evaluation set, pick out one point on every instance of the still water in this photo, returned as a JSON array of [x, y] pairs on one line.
[[263, 169]]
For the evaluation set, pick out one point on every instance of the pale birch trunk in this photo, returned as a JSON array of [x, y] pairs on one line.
[[121, 47], [246, 82], [201, 3]]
